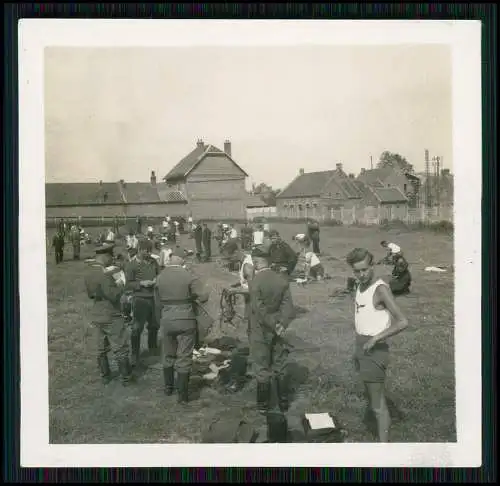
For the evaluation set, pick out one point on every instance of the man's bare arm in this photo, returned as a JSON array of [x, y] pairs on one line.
[[384, 296]]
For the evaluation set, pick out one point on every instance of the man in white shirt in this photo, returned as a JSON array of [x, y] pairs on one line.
[[393, 251], [110, 236], [258, 236], [313, 267], [377, 317]]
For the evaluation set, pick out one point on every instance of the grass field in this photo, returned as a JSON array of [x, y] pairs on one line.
[[421, 379]]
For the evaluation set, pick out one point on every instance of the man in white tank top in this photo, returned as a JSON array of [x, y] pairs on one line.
[[377, 317]]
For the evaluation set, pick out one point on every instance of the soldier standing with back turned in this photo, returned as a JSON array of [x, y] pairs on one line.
[[113, 334], [271, 310], [177, 290]]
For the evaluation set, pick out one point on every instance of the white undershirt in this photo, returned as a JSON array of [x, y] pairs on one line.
[[368, 320]]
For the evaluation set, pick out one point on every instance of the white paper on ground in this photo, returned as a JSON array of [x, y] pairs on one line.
[[320, 421]]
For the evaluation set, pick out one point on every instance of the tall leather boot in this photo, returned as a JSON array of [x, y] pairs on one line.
[[168, 380], [104, 369], [282, 392], [263, 396], [153, 341], [125, 369], [182, 387], [135, 344]]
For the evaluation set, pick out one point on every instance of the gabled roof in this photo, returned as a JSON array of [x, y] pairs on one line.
[[350, 188], [74, 194], [389, 195], [313, 184], [191, 160], [375, 176], [308, 184], [363, 189]]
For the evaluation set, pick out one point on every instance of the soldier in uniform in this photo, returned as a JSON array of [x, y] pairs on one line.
[[113, 334], [198, 237], [281, 253], [207, 242], [140, 275], [271, 310], [177, 290], [58, 244], [313, 234]]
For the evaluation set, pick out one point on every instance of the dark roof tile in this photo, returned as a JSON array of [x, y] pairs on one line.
[[389, 195], [70, 193]]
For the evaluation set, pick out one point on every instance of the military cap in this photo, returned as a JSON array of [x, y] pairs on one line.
[[105, 248]]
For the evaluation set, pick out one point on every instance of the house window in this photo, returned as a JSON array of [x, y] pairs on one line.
[[301, 207], [315, 205], [285, 205], [308, 205], [404, 187]]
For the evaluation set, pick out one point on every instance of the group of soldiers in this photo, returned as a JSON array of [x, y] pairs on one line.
[[161, 293]]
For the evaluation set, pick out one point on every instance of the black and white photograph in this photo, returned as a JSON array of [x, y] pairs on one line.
[[240, 236]]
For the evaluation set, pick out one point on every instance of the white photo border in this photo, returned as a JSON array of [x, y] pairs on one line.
[[464, 38]]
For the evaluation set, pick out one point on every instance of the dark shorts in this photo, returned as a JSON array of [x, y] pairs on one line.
[[372, 366]]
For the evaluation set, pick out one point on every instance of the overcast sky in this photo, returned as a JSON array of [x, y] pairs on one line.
[[119, 113]]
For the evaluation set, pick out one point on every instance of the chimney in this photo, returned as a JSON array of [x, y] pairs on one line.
[[153, 178], [100, 183], [351, 176], [339, 167], [363, 170], [200, 143], [301, 171], [227, 147]]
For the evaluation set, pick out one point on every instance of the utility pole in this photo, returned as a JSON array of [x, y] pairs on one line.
[[371, 162], [428, 196], [438, 183]]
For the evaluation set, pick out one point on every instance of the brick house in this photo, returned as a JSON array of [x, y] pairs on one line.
[[211, 181], [317, 194], [207, 184], [408, 184], [335, 195]]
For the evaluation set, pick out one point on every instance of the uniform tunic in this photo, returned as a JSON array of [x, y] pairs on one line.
[[58, 244], [177, 289], [112, 332], [143, 298], [270, 303], [207, 241], [282, 255]]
